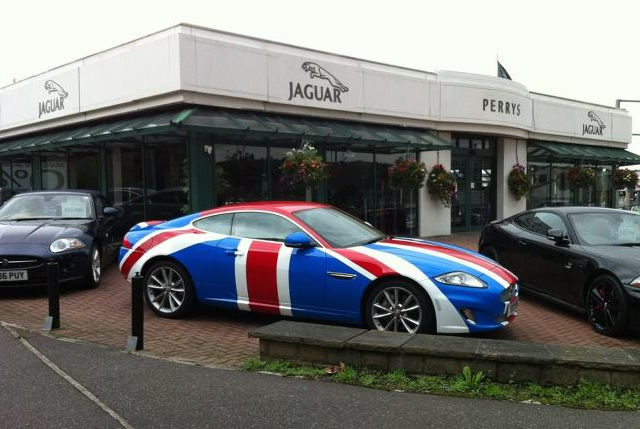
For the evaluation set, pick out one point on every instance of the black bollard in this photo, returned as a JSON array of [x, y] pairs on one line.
[[53, 291], [136, 341]]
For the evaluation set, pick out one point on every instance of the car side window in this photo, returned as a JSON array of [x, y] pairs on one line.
[[218, 224], [541, 222], [525, 221], [264, 226]]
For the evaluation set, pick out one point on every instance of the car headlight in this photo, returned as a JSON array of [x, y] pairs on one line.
[[460, 278], [64, 244], [635, 282]]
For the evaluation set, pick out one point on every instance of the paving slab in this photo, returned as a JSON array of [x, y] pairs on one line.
[[514, 351], [594, 357], [379, 341], [307, 333], [436, 345]]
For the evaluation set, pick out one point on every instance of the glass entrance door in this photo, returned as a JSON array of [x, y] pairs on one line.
[[474, 165]]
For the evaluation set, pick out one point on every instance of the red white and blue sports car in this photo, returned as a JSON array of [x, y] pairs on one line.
[[311, 260]]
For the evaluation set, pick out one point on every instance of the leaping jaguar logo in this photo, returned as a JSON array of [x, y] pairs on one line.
[[315, 70], [52, 86], [595, 118]]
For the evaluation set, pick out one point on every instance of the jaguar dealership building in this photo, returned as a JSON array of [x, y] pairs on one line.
[[191, 118]]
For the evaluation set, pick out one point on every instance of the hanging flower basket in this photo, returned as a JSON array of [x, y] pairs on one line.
[[624, 179], [581, 177], [518, 181], [303, 167], [441, 184], [407, 173]]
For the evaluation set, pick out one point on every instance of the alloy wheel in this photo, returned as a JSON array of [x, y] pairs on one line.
[[165, 289], [603, 306], [96, 269], [396, 309]]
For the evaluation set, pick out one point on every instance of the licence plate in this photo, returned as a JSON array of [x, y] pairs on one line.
[[13, 276]]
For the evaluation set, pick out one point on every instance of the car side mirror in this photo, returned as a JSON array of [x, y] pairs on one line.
[[299, 240], [558, 236], [110, 211]]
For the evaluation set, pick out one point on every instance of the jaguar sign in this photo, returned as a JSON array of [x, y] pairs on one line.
[[330, 93], [56, 102]]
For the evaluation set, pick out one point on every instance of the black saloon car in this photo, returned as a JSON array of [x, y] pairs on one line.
[[583, 257], [76, 229]]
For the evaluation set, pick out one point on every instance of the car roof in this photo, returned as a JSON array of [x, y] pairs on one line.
[[578, 209], [64, 191], [280, 206]]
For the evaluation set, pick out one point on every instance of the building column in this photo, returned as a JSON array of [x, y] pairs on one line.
[[507, 205], [435, 218]]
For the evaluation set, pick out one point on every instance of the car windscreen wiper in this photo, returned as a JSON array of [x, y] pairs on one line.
[[373, 240], [629, 244], [23, 218]]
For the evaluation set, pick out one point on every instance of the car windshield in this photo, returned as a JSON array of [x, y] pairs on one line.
[[607, 228], [338, 228], [47, 206]]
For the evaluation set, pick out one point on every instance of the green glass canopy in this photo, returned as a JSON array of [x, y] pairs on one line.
[[240, 123], [553, 151]]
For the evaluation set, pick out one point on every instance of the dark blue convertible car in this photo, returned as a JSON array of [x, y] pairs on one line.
[[76, 229]]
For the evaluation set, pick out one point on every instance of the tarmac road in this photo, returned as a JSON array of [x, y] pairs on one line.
[[153, 393]]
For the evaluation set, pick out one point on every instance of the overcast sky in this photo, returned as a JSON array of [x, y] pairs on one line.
[[586, 50]]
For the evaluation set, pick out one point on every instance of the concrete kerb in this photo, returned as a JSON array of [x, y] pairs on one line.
[[503, 361]]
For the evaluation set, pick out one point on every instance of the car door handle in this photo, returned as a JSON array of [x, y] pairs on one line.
[[341, 276], [233, 252], [522, 242]]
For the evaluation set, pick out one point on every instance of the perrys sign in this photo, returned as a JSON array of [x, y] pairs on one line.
[[330, 93]]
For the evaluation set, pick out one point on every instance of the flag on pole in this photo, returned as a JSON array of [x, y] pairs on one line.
[[502, 72]]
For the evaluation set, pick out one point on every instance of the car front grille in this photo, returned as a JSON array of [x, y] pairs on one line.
[[15, 262], [510, 300]]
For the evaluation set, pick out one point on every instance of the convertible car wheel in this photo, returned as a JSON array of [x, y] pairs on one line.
[[606, 306], [399, 306], [94, 272], [169, 291]]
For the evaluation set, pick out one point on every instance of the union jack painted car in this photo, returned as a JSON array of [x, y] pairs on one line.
[[314, 261]]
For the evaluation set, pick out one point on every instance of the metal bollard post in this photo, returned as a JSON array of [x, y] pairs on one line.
[[52, 321], [136, 340]]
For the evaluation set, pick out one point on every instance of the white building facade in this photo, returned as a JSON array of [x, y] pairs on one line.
[[189, 118]]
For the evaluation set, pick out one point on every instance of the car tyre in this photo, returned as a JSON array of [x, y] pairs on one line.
[[606, 306], [168, 289], [94, 272], [490, 252], [400, 306]]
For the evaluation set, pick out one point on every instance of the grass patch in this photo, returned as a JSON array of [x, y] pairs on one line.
[[585, 395]]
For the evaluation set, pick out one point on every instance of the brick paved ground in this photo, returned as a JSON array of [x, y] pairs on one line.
[[213, 336]]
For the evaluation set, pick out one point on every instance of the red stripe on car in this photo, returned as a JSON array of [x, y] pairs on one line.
[[491, 266], [262, 280], [150, 244], [370, 264]]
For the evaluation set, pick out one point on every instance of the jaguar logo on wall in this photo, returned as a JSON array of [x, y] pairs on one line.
[[593, 129], [331, 93], [55, 103]]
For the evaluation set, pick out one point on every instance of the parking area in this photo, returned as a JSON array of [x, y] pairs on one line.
[[213, 336]]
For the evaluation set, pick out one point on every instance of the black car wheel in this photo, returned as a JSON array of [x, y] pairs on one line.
[[490, 252], [94, 271], [168, 289], [607, 306], [399, 306]]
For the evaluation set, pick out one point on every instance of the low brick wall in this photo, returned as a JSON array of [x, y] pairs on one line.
[[503, 361]]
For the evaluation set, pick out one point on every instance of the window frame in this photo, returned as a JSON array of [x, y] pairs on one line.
[[565, 223], [234, 212]]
